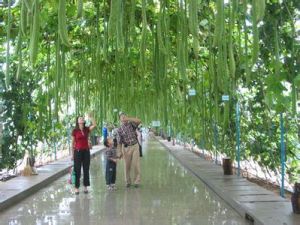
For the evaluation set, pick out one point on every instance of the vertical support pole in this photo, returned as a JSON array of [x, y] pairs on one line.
[[282, 154], [238, 137]]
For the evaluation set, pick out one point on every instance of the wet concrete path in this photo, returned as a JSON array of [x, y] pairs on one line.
[[169, 194]]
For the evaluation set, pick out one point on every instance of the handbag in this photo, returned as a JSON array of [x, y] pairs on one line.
[[72, 175]]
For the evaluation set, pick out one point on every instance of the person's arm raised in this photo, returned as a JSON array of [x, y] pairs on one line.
[[92, 127]]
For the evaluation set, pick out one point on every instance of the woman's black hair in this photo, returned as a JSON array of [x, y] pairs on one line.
[[77, 124]]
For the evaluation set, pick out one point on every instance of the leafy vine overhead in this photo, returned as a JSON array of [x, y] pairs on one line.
[[143, 57]]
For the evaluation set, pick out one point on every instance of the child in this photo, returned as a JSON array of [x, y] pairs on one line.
[[111, 163]]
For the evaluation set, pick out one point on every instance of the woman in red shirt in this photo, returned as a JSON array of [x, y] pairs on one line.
[[81, 151]]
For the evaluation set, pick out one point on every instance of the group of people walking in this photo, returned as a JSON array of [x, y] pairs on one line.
[[125, 143]]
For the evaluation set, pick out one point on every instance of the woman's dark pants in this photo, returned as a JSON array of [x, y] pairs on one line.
[[82, 158]]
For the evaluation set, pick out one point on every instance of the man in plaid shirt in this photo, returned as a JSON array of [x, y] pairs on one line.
[[127, 138]]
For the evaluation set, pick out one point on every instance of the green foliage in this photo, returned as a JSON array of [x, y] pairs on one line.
[[17, 107]]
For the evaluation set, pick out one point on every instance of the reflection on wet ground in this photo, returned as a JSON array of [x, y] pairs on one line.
[[169, 194]]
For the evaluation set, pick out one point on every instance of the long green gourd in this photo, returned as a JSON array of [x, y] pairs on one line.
[[57, 75], [226, 86], [185, 30], [144, 36], [161, 28], [48, 86], [23, 18], [255, 45], [214, 83], [219, 23], [217, 95], [162, 47], [113, 16], [7, 77], [232, 66], [277, 63], [132, 20], [166, 22], [79, 8], [261, 7], [62, 23], [258, 11], [182, 41], [220, 67], [28, 4], [63, 69], [193, 24], [293, 74], [29, 18], [67, 84], [19, 52], [120, 33], [247, 69], [35, 32]]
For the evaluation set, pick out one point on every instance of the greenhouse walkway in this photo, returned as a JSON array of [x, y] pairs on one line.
[[171, 193]]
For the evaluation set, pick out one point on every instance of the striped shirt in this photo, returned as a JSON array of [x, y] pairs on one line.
[[126, 134], [111, 153]]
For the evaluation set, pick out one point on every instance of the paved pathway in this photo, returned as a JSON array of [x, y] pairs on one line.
[[249, 199], [169, 194], [18, 188]]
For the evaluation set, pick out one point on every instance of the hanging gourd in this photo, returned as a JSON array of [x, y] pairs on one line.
[[194, 24], [19, 52], [34, 33], [144, 36], [62, 23], [7, 78], [23, 18], [219, 23], [79, 8], [255, 45]]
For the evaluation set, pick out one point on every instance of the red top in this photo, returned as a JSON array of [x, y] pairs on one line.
[[81, 138]]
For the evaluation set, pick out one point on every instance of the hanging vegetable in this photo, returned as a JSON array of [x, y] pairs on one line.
[[79, 8], [62, 23], [7, 78], [194, 24], [144, 36], [255, 45], [23, 18], [219, 23], [34, 34]]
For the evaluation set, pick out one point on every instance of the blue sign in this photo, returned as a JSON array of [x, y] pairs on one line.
[[192, 92], [225, 97]]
